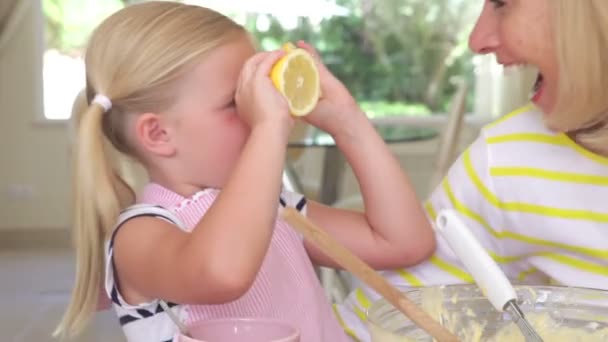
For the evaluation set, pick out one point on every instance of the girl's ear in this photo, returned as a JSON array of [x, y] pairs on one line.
[[153, 135]]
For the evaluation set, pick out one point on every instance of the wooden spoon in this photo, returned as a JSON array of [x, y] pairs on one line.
[[365, 273]]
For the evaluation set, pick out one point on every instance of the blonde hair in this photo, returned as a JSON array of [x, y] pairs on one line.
[[581, 37], [134, 58]]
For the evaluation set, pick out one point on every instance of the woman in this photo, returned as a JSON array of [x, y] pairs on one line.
[[533, 186]]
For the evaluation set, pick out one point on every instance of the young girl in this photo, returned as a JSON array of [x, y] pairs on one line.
[[533, 187], [181, 89]]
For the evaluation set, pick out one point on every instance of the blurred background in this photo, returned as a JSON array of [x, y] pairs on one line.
[[396, 56]]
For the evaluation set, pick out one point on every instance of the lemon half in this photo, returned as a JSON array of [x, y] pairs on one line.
[[296, 76]]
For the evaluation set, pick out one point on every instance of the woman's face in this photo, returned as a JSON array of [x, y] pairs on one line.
[[520, 32]]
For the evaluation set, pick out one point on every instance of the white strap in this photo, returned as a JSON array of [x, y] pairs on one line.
[[148, 209]]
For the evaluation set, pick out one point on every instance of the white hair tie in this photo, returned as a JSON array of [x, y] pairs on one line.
[[103, 101]]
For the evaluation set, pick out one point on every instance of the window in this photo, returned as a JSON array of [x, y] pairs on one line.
[[396, 56], [68, 23]]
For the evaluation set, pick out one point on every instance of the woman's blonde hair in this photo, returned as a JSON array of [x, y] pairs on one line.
[[134, 58], [581, 37]]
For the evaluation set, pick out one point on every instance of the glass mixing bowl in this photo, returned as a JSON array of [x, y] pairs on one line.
[[558, 313]]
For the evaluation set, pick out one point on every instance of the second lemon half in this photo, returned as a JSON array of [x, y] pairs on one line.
[[296, 76]]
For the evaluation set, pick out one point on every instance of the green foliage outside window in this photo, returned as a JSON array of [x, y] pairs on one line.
[[396, 56]]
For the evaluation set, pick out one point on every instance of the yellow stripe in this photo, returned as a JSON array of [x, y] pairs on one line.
[[524, 274], [435, 260], [585, 265], [572, 262], [527, 207], [451, 269], [410, 278], [506, 259], [590, 252], [562, 259], [360, 314], [505, 234], [514, 113], [579, 264], [549, 175], [347, 329], [569, 261], [581, 150], [527, 137], [463, 209], [430, 210], [559, 140], [362, 299]]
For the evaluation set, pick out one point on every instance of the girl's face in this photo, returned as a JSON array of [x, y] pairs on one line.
[[520, 32], [209, 134]]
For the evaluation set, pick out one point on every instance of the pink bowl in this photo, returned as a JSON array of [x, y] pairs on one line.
[[241, 330]]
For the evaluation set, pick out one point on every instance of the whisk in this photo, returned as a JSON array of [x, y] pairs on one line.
[[488, 276]]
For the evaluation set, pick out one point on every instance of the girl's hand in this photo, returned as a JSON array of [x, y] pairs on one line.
[[258, 102], [336, 107]]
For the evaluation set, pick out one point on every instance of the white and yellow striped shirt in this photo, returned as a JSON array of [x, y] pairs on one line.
[[536, 200]]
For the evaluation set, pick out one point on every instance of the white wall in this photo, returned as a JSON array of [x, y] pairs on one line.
[[31, 154]]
